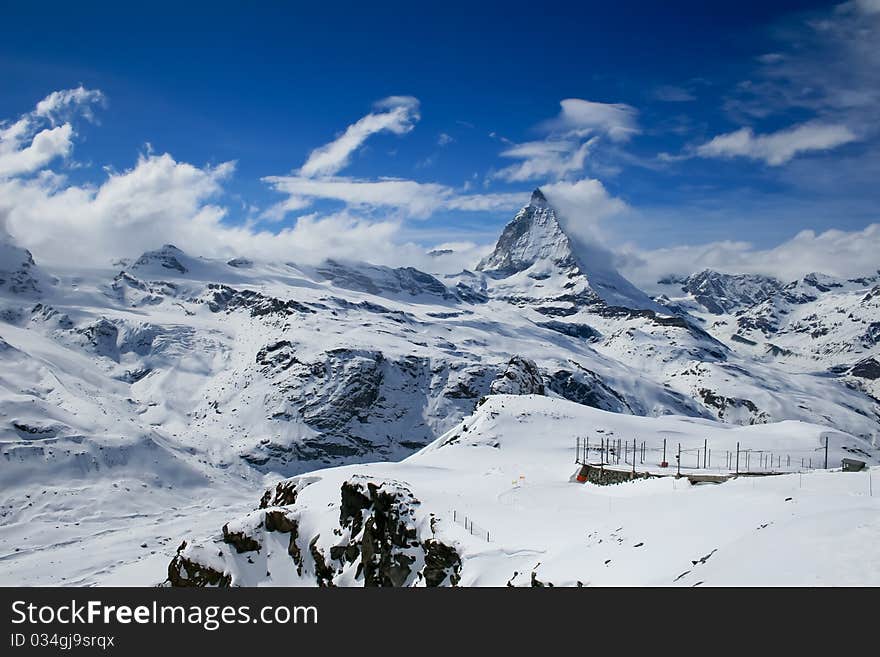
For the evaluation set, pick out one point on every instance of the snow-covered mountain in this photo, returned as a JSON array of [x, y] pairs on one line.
[[492, 503], [814, 324], [721, 294], [172, 379], [535, 259]]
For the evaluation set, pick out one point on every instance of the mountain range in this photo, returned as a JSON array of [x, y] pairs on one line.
[[147, 400]]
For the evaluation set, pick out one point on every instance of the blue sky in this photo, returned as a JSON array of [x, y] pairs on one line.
[[687, 123]]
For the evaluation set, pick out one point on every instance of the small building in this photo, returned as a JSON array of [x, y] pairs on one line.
[[852, 465]]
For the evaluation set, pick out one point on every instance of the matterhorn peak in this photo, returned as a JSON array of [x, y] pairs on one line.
[[534, 246], [534, 235], [538, 199]]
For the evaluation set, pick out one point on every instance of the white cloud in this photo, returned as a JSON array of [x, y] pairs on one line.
[[161, 200], [415, 199], [570, 137], [60, 102], [486, 202], [443, 139], [552, 158], [44, 147], [582, 206], [27, 146], [617, 120], [156, 199], [396, 114], [846, 254], [778, 147]]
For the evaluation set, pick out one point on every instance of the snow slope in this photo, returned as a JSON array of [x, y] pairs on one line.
[[508, 470], [216, 377]]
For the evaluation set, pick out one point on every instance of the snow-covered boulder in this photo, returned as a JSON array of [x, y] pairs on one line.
[[522, 377]]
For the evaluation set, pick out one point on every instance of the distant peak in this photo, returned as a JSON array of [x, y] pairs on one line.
[[538, 199]]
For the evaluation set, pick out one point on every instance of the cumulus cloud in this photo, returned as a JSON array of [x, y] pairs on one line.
[[45, 146], [779, 147], [582, 206], [845, 254], [28, 145], [570, 136], [61, 102], [395, 114], [160, 200]]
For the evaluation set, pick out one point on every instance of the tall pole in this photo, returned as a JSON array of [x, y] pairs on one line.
[[737, 458], [705, 451], [678, 461], [826, 451], [664, 450]]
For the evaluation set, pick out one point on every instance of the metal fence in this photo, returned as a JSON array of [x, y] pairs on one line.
[[469, 524], [642, 455]]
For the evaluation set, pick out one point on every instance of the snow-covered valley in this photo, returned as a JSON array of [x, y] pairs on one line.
[[152, 401]]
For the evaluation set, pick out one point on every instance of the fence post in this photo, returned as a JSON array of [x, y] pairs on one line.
[[634, 455], [737, 458], [664, 449], [826, 451], [705, 451], [577, 449], [678, 462]]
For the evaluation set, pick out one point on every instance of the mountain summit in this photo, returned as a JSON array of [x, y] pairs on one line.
[[533, 236], [534, 246]]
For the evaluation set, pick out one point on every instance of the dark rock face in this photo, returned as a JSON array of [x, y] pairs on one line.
[[820, 282], [360, 401], [285, 494], [522, 377], [137, 293], [868, 368], [471, 293], [169, 257], [224, 298], [573, 330], [48, 315], [102, 336], [240, 541], [725, 406], [441, 562], [722, 293], [376, 279], [587, 388], [183, 572], [379, 542], [23, 277], [383, 520]]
